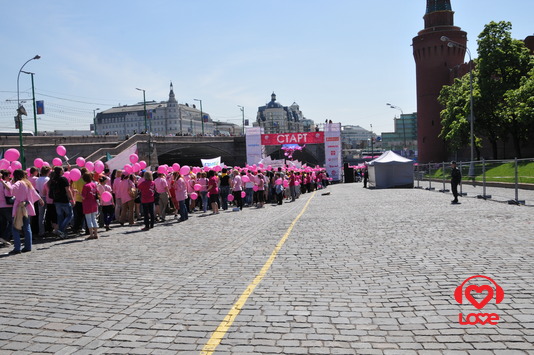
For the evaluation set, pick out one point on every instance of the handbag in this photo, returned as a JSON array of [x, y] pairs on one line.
[[10, 200], [132, 192]]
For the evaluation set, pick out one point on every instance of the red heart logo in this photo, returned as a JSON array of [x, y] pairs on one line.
[[479, 289]]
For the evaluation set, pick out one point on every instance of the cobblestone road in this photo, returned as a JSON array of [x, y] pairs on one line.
[[362, 272]]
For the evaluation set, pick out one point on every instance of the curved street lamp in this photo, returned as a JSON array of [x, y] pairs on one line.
[[450, 44], [21, 111], [403, 125], [243, 117]]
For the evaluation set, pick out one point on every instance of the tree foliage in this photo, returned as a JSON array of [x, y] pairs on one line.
[[502, 93]]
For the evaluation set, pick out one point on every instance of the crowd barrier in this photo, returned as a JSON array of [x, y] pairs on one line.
[[498, 180]]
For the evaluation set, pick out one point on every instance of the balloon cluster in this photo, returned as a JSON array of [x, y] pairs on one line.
[[289, 149]]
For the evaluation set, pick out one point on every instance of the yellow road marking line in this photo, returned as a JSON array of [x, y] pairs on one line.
[[223, 327]]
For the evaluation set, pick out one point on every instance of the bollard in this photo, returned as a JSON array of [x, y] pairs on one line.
[[461, 192], [516, 187], [484, 196], [444, 188], [430, 188]]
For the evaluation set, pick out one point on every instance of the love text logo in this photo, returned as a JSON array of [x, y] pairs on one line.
[[479, 297]]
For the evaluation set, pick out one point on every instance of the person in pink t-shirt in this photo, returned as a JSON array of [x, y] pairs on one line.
[[126, 187], [237, 187], [180, 187], [213, 190], [90, 205], [107, 206], [162, 190], [25, 197], [147, 187]]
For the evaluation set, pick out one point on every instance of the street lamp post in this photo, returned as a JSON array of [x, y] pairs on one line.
[[402, 119], [144, 107], [94, 120], [21, 111], [33, 98], [451, 43], [372, 150], [201, 118], [146, 128], [243, 114]]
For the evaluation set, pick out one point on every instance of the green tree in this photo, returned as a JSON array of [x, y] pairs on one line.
[[519, 111], [502, 63], [456, 129]]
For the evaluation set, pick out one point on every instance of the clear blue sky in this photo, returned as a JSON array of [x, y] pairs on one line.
[[338, 59]]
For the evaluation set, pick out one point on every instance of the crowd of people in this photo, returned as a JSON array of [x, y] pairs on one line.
[[49, 202]]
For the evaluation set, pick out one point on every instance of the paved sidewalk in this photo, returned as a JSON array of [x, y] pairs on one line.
[[362, 272]]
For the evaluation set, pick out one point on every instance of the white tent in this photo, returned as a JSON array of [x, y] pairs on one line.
[[390, 170]]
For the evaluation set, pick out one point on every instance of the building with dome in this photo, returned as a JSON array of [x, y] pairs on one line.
[[163, 119], [275, 118]]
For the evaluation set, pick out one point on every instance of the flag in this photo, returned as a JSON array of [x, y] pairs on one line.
[[40, 107]]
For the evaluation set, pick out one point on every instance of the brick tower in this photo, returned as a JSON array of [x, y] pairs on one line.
[[433, 61]]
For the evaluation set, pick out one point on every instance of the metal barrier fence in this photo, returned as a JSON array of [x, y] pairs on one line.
[[510, 181]]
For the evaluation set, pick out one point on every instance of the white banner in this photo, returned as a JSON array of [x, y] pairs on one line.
[[255, 150], [210, 163], [332, 149], [121, 159]]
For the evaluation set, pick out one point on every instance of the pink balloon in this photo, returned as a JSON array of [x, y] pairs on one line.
[[136, 167], [195, 170], [66, 175], [217, 168], [255, 188], [278, 182], [230, 197], [46, 163], [245, 178], [80, 162], [128, 169], [106, 196], [11, 154], [75, 174], [175, 167], [16, 165], [162, 169], [207, 168], [133, 158], [193, 196], [243, 194], [57, 162], [261, 165], [4, 164], [197, 187], [90, 166], [99, 166], [61, 150], [142, 163], [38, 163], [184, 170], [269, 167]]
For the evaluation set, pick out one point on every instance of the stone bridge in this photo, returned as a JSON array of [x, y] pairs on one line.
[[164, 150]]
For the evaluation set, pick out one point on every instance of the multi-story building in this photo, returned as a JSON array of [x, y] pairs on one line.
[[275, 118], [404, 135], [163, 119]]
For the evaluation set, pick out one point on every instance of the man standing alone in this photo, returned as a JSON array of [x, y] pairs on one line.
[[456, 179]]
